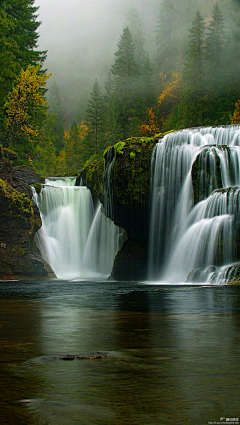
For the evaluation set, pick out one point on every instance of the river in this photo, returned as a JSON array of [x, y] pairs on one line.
[[169, 353]]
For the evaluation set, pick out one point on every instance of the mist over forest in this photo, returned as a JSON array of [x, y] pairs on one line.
[[113, 70], [81, 38]]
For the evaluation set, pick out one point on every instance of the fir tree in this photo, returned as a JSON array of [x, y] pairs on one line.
[[94, 118], [125, 83], [166, 38], [136, 29], [148, 83], [55, 109], [215, 48], [195, 67], [193, 75], [125, 68], [18, 43]]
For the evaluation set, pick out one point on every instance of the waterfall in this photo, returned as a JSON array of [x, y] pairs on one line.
[[75, 239], [194, 225]]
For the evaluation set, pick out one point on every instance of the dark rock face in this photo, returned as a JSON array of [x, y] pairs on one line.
[[19, 221], [124, 193], [206, 171], [130, 263]]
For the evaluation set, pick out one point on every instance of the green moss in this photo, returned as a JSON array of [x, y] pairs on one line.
[[132, 170], [38, 187], [7, 153], [19, 203], [92, 175], [106, 151], [118, 147]]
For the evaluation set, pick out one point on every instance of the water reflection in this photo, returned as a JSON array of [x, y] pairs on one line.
[[172, 354]]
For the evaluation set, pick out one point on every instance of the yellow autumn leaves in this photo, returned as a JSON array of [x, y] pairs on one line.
[[26, 105]]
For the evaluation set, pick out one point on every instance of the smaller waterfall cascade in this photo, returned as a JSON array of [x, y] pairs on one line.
[[195, 193], [75, 239]]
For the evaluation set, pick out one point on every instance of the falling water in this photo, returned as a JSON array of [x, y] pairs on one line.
[[193, 225], [76, 240]]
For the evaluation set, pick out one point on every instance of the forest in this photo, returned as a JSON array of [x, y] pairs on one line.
[[192, 79]]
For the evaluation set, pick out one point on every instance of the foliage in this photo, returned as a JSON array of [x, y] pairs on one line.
[[131, 171], [192, 79], [18, 44], [136, 29], [76, 151], [26, 106], [151, 126], [21, 204], [94, 118], [125, 96], [215, 43], [236, 114], [55, 109], [118, 147], [170, 95], [166, 38], [92, 174]]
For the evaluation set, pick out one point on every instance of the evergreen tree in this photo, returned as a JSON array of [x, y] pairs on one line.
[[125, 68], [136, 29], [26, 111], [148, 83], [18, 43], [215, 48], [231, 11], [166, 38], [125, 99], [193, 75], [76, 150], [220, 101], [94, 118], [55, 109], [110, 120], [195, 67]]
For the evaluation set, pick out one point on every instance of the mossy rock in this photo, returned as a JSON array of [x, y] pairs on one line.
[[19, 204], [92, 176], [131, 176], [8, 154], [38, 187]]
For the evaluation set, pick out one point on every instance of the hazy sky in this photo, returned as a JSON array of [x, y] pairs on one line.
[[81, 37]]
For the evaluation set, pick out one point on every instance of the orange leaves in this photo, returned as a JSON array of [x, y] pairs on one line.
[[236, 114], [150, 127], [82, 130], [170, 88], [26, 104]]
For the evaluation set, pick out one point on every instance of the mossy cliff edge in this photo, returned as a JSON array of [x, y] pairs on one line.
[[124, 193], [19, 221]]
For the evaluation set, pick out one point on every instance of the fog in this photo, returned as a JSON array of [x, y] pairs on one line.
[[81, 37]]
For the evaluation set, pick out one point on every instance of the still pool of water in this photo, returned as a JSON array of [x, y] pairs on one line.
[[172, 353]]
